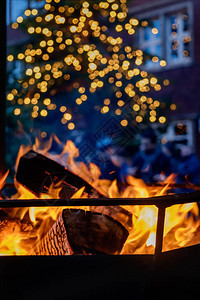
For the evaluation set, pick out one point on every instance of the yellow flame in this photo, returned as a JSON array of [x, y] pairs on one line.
[[181, 221]]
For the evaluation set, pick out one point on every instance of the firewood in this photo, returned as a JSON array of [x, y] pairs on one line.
[[79, 232], [37, 173], [118, 213]]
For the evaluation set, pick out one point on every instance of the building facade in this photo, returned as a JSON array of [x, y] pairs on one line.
[[171, 32]]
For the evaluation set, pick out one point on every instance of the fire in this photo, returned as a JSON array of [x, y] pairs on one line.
[[26, 226]]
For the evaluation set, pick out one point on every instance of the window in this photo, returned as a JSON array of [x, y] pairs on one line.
[[14, 10], [150, 39], [179, 131], [167, 35]]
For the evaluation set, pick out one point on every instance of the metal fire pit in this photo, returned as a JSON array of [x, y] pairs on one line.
[[167, 275], [164, 275]]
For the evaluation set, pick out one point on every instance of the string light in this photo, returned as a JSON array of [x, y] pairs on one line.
[[75, 25]]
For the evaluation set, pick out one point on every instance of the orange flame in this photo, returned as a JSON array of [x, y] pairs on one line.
[[26, 226]]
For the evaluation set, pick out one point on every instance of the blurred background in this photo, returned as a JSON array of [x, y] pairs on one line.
[[119, 78]]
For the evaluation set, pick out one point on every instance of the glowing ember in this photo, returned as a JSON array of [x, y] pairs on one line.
[[22, 228]]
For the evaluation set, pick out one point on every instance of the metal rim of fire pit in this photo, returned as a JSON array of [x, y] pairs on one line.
[[161, 202]]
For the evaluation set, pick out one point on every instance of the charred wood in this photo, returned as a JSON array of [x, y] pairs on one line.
[[37, 173], [80, 232]]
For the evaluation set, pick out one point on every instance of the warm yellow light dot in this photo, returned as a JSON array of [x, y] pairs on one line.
[[63, 108], [17, 111], [43, 113], [83, 97], [73, 29], [162, 119], [43, 43], [34, 12], [136, 107], [34, 101], [166, 82], [31, 30], [120, 103], [25, 84], [163, 63], [157, 87], [68, 41], [144, 23], [27, 12], [85, 4], [29, 72], [38, 75], [20, 19], [47, 6], [152, 113], [52, 106], [10, 57], [50, 49], [131, 31], [20, 56], [131, 93], [173, 106], [120, 15], [92, 66], [126, 64], [47, 101], [106, 101], [28, 59], [79, 101], [36, 69], [138, 61], [134, 22], [15, 25], [81, 90], [153, 80], [49, 17], [118, 28], [10, 97], [20, 101], [70, 10], [139, 119], [34, 114], [124, 123], [156, 103], [118, 94], [67, 116], [71, 126], [43, 134], [105, 109], [45, 31], [63, 121], [118, 112], [154, 30], [38, 51], [118, 83], [38, 29], [27, 100], [152, 119], [45, 57], [39, 19], [155, 59], [115, 6]]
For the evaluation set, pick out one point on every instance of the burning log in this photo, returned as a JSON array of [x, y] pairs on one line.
[[80, 232], [37, 173], [117, 213]]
